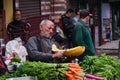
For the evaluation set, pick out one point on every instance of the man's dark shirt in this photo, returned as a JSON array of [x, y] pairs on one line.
[[16, 29], [68, 29], [68, 26]]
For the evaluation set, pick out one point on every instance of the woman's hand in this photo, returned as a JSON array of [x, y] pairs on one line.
[[14, 54]]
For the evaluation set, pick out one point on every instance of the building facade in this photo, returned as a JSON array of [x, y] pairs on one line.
[[105, 23]]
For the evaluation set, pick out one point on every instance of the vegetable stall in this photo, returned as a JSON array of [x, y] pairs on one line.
[[47, 71], [103, 66], [99, 67]]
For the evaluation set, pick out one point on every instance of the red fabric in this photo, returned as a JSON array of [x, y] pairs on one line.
[[1, 63]]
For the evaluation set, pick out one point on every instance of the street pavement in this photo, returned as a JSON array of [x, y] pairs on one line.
[[110, 48]]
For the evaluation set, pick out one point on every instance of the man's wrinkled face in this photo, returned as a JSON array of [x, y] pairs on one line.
[[18, 15], [47, 29]]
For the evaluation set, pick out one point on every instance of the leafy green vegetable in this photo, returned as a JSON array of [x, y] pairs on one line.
[[43, 71], [102, 65], [16, 59]]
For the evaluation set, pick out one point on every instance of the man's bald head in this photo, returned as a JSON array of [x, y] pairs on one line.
[[46, 28], [44, 22]]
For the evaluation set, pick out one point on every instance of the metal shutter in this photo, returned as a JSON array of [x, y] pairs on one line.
[[29, 8]]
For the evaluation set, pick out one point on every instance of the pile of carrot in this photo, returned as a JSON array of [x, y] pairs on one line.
[[73, 72]]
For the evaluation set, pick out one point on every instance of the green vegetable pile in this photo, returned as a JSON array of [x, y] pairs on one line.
[[42, 71], [16, 59], [102, 65]]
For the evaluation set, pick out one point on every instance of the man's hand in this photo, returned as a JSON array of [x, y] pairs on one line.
[[58, 54]]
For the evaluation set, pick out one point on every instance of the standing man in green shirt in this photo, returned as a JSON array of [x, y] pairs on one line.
[[83, 36]]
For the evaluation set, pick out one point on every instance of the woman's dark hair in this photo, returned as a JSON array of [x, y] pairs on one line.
[[84, 14], [69, 11]]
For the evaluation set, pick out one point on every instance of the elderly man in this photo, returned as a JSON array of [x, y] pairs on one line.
[[39, 46]]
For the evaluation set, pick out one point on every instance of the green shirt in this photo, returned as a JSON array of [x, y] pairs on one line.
[[83, 38]]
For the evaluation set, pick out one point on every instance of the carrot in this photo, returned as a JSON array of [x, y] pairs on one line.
[[69, 76], [76, 69], [70, 79], [73, 65], [73, 72], [78, 78], [68, 73]]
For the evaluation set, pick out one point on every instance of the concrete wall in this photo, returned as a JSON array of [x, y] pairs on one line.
[[8, 7]]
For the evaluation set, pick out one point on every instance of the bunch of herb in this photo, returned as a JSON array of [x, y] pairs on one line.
[[102, 65], [43, 71], [16, 59]]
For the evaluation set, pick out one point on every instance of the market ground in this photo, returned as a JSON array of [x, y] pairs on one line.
[[111, 48]]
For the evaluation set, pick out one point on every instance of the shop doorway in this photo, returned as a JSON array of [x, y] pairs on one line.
[[1, 9], [115, 20]]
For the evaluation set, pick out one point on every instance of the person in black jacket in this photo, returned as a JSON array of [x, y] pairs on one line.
[[16, 28], [68, 26]]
